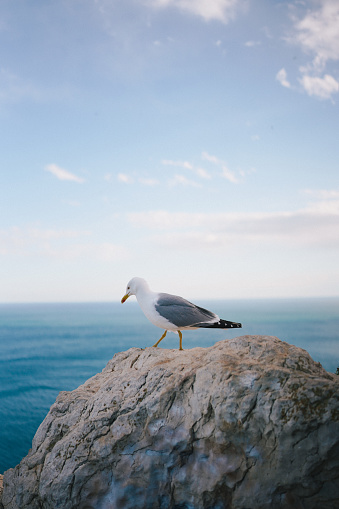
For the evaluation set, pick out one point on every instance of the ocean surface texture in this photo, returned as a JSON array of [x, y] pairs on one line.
[[48, 348]]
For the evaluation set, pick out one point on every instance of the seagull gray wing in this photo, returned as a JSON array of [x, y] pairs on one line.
[[181, 312]]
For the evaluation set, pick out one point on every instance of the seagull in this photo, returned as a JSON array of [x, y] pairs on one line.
[[171, 312]]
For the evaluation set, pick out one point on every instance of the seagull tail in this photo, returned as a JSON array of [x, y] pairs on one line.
[[220, 324]]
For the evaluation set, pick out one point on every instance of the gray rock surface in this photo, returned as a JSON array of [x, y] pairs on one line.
[[1, 490], [250, 423]]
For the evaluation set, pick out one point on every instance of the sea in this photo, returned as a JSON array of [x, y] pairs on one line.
[[48, 348]]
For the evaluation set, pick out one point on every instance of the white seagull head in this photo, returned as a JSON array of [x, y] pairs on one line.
[[135, 284]]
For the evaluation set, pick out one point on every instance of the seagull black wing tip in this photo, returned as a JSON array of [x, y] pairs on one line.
[[221, 324]]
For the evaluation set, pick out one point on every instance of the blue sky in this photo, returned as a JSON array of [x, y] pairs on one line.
[[190, 142]]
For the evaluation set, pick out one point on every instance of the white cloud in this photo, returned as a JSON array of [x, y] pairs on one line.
[[210, 158], [282, 78], [321, 87], [180, 164], [220, 10], [252, 44], [317, 33], [225, 171], [62, 174], [126, 179], [324, 208], [200, 172], [228, 174], [182, 181], [243, 173], [316, 225]]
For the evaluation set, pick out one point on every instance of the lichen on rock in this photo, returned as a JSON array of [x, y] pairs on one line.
[[251, 422]]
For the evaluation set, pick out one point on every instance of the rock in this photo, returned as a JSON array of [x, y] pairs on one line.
[[1, 489], [250, 423]]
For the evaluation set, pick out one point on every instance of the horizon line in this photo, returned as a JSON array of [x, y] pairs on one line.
[[113, 301]]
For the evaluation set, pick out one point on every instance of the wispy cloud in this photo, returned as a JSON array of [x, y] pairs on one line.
[[219, 10], [323, 194], [63, 174], [252, 44], [316, 225], [225, 171], [181, 180], [282, 78], [200, 172], [62, 245], [181, 164], [124, 178]]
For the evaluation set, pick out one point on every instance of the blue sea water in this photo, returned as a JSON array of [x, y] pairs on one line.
[[48, 348]]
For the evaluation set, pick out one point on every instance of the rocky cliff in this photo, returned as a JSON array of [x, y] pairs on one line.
[[251, 422]]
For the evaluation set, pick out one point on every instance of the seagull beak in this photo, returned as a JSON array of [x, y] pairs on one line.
[[125, 297]]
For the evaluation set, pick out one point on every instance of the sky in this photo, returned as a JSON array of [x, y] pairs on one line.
[[194, 143]]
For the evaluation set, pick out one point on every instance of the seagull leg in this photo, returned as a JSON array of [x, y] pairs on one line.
[[162, 337], [180, 340]]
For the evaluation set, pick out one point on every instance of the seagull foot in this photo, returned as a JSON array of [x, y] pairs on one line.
[[162, 337], [180, 340]]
